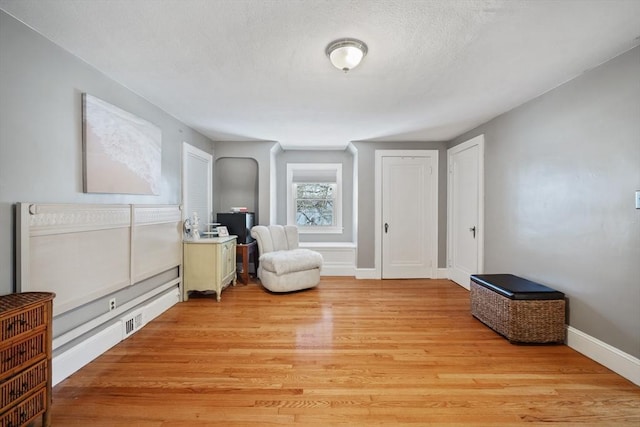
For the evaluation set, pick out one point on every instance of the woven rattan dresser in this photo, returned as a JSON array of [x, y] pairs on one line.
[[520, 310], [25, 358]]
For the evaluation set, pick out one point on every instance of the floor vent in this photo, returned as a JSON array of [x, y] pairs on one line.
[[131, 323]]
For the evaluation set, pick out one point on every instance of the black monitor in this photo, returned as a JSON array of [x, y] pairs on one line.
[[238, 223]]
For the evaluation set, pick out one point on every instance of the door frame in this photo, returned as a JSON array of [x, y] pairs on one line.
[[190, 150], [433, 203], [479, 141]]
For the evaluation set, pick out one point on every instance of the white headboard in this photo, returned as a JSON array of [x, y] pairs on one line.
[[84, 252]]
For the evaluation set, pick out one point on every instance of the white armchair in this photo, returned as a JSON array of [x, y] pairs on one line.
[[283, 266]]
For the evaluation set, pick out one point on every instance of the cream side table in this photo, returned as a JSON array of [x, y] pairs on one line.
[[209, 264]]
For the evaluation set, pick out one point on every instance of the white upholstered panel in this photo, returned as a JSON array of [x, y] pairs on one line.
[[84, 252], [157, 240]]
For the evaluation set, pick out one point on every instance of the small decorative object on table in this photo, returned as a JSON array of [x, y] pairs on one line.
[[222, 231], [212, 229], [195, 227]]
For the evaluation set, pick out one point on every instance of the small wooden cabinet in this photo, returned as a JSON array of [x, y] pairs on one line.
[[25, 358], [209, 264]]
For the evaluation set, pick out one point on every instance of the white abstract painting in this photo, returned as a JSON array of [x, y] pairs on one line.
[[122, 152]]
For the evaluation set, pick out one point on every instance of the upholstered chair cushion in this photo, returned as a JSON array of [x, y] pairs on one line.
[[283, 262]]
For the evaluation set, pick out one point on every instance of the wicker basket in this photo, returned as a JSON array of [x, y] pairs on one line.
[[520, 321]]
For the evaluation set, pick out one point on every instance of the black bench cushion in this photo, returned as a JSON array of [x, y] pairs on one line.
[[514, 287]]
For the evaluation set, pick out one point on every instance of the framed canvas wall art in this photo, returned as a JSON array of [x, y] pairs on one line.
[[122, 152]]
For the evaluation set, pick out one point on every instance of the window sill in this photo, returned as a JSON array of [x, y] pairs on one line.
[[320, 230], [328, 245]]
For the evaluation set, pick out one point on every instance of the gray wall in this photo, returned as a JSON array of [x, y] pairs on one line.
[[260, 152], [236, 182], [560, 176], [343, 157], [41, 135], [366, 196]]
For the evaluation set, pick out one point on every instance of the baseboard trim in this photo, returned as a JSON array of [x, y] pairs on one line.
[[74, 358], [372, 273], [442, 273], [617, 360], [367, 273], [160, 305], [111, 315]]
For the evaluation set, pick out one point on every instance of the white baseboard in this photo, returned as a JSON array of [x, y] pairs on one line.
[[111, 315], [442, 273], [367, 273], [162, 304], [618, 361], [74, 358], [372, 273]]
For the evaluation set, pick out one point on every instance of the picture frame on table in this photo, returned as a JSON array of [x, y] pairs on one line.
[[222, 231]]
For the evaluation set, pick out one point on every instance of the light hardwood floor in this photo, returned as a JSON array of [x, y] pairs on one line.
[[360, 353]]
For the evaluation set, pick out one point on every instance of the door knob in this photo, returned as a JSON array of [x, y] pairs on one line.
[[473, 230]]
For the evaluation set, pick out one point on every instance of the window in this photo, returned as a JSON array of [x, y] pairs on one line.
[[314, 202]]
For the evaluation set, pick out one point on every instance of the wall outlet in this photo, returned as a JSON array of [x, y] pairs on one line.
[[112, 304]]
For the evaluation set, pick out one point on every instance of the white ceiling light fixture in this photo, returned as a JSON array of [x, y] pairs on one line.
[[346, 54]]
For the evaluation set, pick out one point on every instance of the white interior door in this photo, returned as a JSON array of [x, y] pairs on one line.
[[409, 209], [465, 210], [197, 180]]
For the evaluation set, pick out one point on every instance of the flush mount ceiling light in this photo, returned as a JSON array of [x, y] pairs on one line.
[[346, 54]]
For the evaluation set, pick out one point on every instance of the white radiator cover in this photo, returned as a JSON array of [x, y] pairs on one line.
[[339, 257], [70, 361]]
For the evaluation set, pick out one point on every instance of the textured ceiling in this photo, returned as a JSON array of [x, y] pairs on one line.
[[256, 69]]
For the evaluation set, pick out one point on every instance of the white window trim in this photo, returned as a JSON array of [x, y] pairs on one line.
[[291, 220]]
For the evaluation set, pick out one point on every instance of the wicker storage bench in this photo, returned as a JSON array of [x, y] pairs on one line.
[[518, 309]]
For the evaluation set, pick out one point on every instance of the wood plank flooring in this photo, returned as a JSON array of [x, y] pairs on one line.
[[350, 352]]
